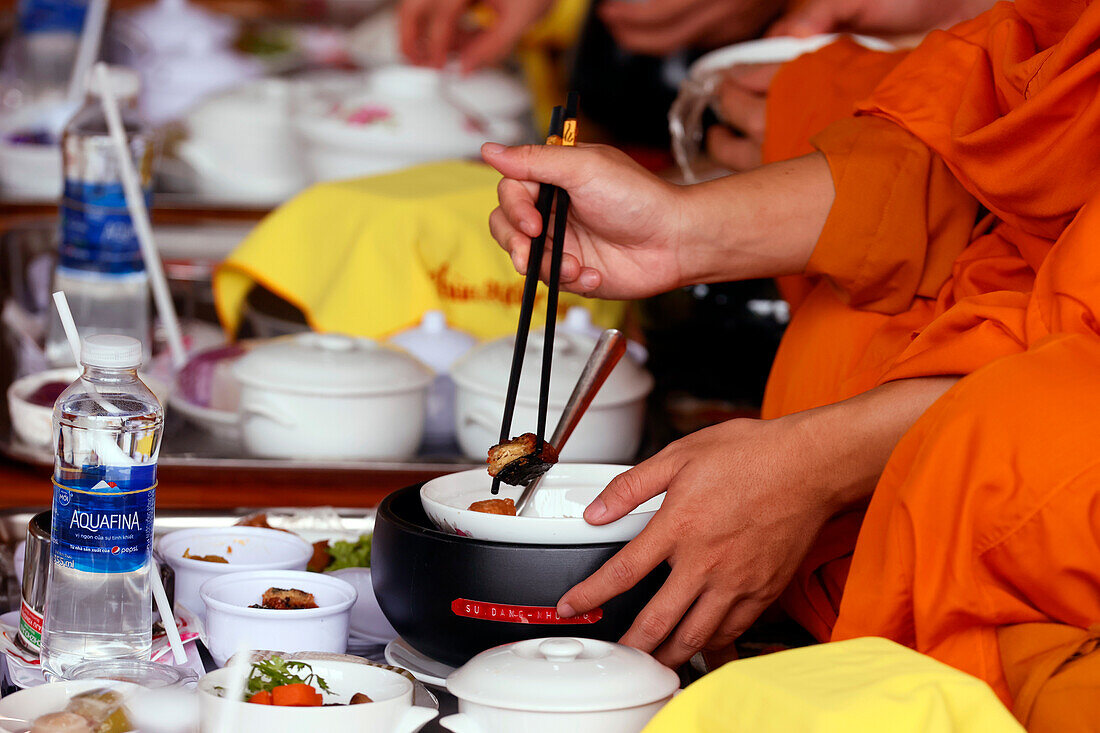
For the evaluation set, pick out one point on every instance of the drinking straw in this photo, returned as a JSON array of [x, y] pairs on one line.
[[135, 202], [90, 38], [73, 336], [234, 690], [166, 617]]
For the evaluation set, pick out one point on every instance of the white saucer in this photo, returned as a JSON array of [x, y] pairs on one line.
[[425, 669]]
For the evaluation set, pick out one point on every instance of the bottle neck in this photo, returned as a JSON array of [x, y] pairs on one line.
[[109, 375]]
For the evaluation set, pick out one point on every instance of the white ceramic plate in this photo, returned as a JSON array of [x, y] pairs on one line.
[[773, 51], [427, 670], [37, 701], [556, 509]]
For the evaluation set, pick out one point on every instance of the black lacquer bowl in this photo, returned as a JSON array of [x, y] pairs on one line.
[[452, 597]]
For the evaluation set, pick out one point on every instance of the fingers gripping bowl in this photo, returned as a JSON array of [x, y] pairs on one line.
[[451, 597]]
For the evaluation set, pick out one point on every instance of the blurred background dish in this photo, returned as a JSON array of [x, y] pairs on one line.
[[406, 115], [609, 432], [331, 396]]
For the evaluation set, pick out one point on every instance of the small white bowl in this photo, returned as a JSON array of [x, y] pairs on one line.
[[392, 709], [51, 698], [367, 620], [254, 548], [232, 625], [32, 423], [556, 510]]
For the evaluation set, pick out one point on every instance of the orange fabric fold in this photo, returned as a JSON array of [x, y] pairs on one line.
[[988, 513], [1046, 666]]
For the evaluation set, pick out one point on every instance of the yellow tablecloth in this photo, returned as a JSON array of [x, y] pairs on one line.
[[870, 685], [369, 256]]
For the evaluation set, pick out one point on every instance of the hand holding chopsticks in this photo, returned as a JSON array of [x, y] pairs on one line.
[[563, 125]]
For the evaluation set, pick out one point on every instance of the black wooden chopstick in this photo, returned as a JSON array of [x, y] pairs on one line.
[[530, 287], [561, 213]]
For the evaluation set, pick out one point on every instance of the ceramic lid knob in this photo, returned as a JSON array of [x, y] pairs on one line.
[[561, 650]]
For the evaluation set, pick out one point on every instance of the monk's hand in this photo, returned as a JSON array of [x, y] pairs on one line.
[[894, 18], [742, 99], [742, 508], [431, 30], [659, 27], [625, 225]]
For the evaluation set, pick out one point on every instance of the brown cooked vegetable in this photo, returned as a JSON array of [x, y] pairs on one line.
[[359, 698]]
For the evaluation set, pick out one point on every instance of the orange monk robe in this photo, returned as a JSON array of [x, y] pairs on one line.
[[997, 115]]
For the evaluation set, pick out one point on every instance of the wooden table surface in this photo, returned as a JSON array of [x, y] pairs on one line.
[[187, 488]]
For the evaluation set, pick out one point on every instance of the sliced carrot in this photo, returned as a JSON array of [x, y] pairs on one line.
[[263, 697], [297, 695]]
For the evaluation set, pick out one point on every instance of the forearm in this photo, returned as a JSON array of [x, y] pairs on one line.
[[763, 223], [851, 441]]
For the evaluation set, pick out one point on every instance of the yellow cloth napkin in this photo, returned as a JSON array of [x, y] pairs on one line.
[[868, 684], [369, 256]]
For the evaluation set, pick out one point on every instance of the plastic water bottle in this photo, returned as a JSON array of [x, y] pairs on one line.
[[100, 266], [107, 430]]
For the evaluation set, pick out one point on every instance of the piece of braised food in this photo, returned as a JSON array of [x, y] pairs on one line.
[[286, 599], [506, 507], [517, 462]]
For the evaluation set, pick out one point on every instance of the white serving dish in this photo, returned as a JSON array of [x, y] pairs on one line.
[[263, 165], [367, 620], [254, 548], [32, 423], [610, 430], [27, 170], [556, 684], [404, 117], [231, 625], [331, 396], [774, 51], [51, 698], [556, 509], [392, 709]]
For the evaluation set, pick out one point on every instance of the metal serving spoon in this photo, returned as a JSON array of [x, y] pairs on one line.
[[609, 349]]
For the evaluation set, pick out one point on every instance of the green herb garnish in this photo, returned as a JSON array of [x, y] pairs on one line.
[[275, 672]]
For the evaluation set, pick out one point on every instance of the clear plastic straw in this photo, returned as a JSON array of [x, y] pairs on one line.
[[69, 324], [167, 618], [90, 39], [135, 202]]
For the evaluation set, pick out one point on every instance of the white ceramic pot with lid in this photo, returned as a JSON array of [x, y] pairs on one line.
[[405, 116], [559, 684], [609, 432], [331, 396]]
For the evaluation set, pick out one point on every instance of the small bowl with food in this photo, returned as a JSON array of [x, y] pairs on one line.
[[75, 706], [462, 503], [294, 693], [291, 610], [31, 398], [197, 555]]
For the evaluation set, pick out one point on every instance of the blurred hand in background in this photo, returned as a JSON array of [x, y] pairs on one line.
[[659, 27], [876, 17], [433, 30]]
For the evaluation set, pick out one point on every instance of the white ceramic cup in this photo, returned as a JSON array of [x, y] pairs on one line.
[[253, 548], [231, 625]]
